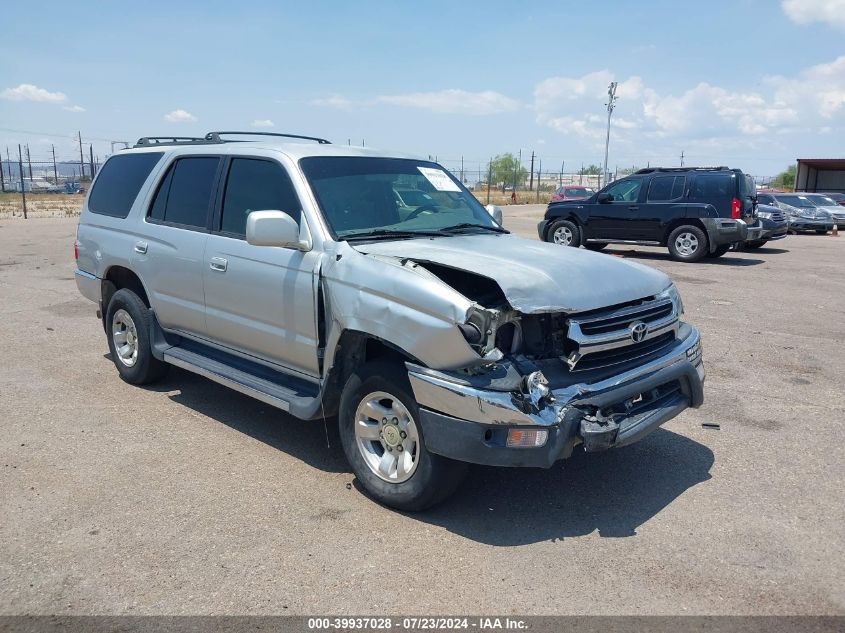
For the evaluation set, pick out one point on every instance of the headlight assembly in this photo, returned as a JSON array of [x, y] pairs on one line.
[[672, 293]]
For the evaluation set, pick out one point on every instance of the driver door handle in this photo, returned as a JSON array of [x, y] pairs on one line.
[[219, 264]]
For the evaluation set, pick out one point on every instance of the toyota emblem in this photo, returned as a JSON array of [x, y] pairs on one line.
[[638, 331]]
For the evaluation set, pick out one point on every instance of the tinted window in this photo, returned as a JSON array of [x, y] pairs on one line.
[[765, 198], [709, 186], [184, 195], [119, 181], [666, 188], [256, 185], [625, 190]]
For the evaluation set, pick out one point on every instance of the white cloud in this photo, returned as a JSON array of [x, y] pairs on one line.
[[179, 116], [333, 101], [29, 92], [73, 108], [262, 123], [831, 12], [450, 101]]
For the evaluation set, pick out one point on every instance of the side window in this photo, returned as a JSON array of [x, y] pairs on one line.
[[256, 185], [663, 188], [120, 181], [709, 186], [184, 196], [625, 190]]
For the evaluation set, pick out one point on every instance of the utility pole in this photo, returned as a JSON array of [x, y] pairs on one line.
[[29, 162], [23, 184], [539, 177], [682, 158], [462, 170], [2, 177], [81, 159], [581, 175], [9, 164], [560, 180], [611, 103], [91, 159], [531, 180], [489, 177], [55, 171]]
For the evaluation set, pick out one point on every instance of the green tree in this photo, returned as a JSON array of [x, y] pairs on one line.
[[506, 170], [592, 170], [785, 179]]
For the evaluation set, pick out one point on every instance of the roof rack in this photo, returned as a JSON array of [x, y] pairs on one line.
[[146, 141], [651, 170], [215, 136]]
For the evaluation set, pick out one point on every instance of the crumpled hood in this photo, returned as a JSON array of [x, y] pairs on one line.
[[535, 276]]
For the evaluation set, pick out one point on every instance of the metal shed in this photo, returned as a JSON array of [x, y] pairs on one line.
[[820, 174]]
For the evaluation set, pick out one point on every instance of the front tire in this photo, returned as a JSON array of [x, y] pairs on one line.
[[688, 243], [595, 246], [381, 434], [128, 331], [565, 233]]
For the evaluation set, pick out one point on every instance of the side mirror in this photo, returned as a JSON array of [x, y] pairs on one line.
[[273, 228], [604, 197], [495, 212]]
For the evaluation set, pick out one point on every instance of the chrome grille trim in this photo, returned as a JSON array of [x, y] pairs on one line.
[[612, 329]]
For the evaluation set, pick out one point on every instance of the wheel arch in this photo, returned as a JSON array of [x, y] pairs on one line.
[[571, 216], [674, 224], [119, 277]]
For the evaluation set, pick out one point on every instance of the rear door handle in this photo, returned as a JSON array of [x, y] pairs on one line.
[[141, 247], [219, 264]]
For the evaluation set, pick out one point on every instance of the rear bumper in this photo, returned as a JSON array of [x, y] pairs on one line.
[[722, 231], [470, 424]]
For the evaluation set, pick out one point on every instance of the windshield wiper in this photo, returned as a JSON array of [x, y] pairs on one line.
[[470, 225], [389, 233]]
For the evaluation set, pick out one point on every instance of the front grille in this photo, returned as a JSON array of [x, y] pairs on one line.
[[778, 216], [618, 335]]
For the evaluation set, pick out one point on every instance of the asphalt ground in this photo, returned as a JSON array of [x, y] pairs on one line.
[[188, 498]]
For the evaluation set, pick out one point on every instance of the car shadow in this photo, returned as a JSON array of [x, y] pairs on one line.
[[613, 492], [728, 259], [767, 250], [315, 442]]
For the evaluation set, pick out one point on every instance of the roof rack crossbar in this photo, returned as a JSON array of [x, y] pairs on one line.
[[214, 137]]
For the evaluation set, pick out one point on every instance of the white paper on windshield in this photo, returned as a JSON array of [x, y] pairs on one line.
[[439, 179]]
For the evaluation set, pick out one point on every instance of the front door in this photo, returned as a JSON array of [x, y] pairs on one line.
[[260, 300], [664, 202], [613, 219]]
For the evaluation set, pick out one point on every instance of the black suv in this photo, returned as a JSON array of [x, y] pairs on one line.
[[695, 211]]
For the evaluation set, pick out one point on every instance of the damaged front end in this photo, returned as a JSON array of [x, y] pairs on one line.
[[545, 383]]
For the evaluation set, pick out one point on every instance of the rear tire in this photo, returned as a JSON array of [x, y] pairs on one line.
[[756, 244], [595, 246], [390, 458], [128, 331], [564, 233], [688, 243], [821, 232]]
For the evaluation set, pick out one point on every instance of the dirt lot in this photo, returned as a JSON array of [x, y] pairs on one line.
[[188, 498]]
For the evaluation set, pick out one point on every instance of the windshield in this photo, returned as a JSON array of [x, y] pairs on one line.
[[822, 201], [363, 195], [797, 201], [575, 192]]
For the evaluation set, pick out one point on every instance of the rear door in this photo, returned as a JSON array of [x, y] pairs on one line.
[[664, 201], [616, 218], [260, 300], [169, 255]]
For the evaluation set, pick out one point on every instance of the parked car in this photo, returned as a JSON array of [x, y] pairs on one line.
[[805, 212], [289, 272], [571, 192], [695, 212], [774, 223], [837, 197]]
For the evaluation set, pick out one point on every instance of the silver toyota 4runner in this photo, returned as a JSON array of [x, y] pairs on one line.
[[327, 280]]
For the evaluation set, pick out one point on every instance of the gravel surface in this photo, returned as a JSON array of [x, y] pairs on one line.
[[188, 498]]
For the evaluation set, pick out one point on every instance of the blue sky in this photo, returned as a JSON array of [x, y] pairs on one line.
[[750, 83]]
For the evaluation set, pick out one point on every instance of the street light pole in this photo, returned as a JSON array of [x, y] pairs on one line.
[[611, 103]]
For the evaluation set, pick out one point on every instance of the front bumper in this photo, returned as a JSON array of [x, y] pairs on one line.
[[797, 223], [469, 424]]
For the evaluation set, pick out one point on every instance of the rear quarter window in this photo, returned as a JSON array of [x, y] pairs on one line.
[[119, 182], [709, 186]]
